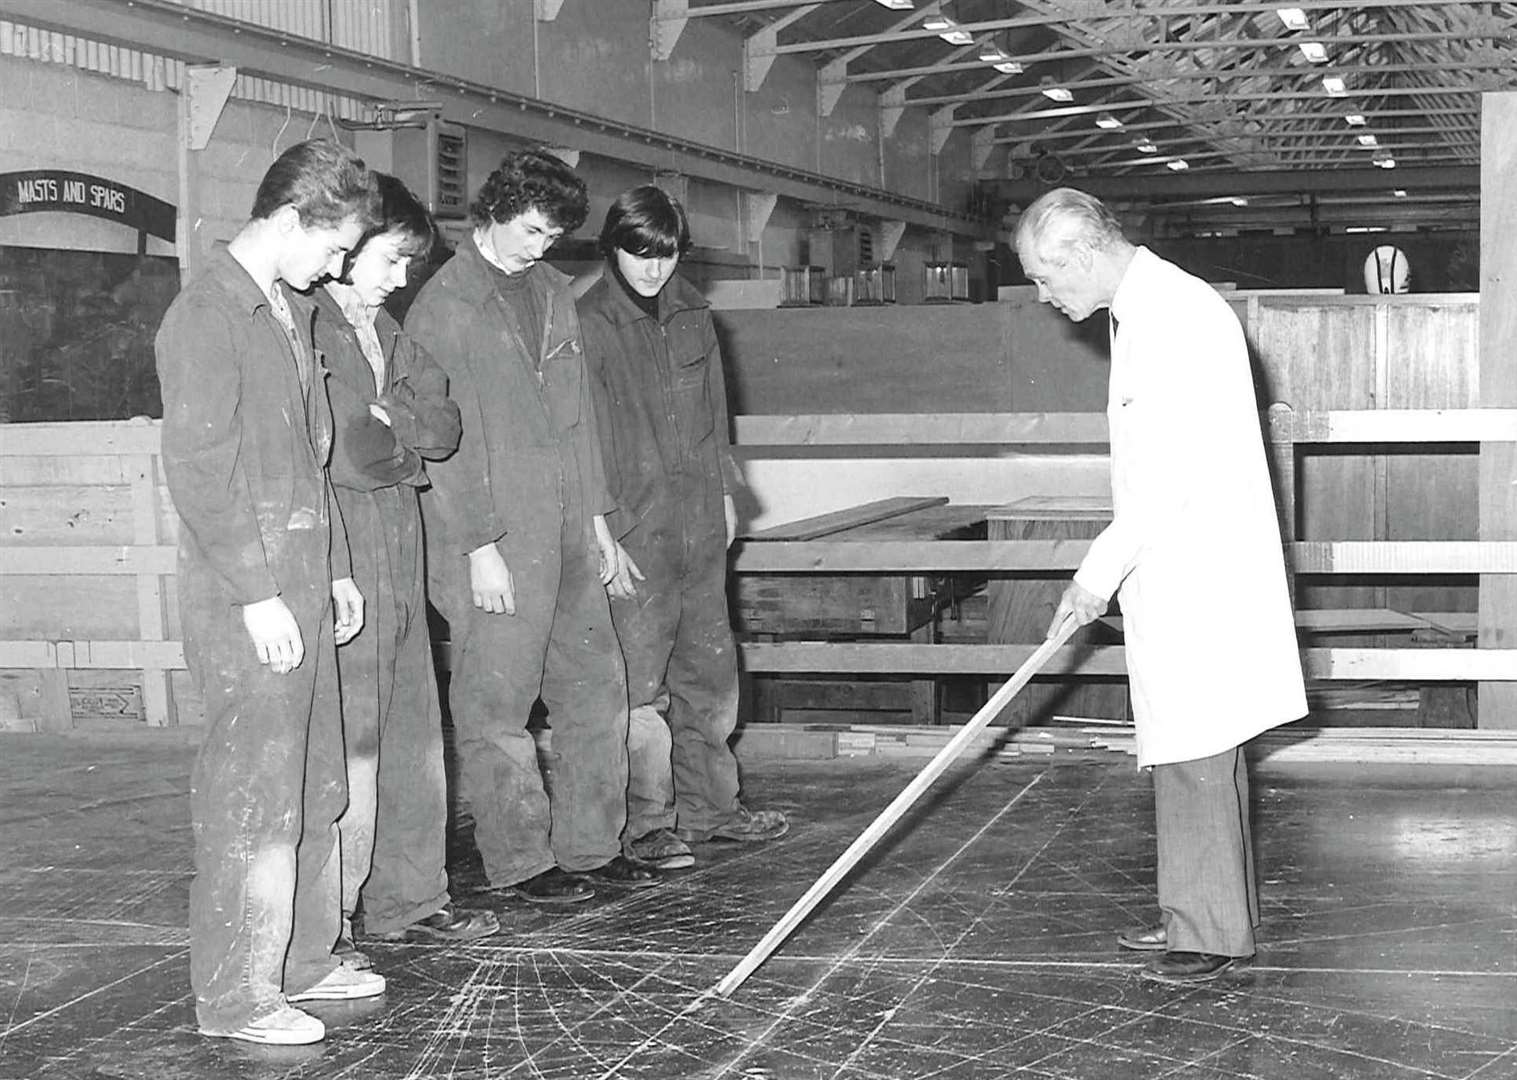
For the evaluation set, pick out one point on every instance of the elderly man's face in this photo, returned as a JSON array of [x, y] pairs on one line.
[[1068, 283]]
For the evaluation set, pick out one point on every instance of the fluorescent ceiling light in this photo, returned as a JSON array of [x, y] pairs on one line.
[[1108, 122], [1009, 67], [1333, 84], [1363, 228], [1400, 193], [1058, 93], [1293, 18], [1178, 164], [1147, 147], [896, 5], [1355, 119], [1368, 139], [1314, 51]]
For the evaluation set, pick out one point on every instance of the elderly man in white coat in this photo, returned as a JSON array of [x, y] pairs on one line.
[[1194, 525]]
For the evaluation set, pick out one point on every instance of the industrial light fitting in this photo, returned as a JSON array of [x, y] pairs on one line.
[[1108, 122], [1399, 193], [1147, 147], [896, 5], [1368, 139], [1384, 160], [1009, 67], [1058, 93], [938, 23], [1354, 119], [1293, 18], [1314, 51], [1334, 85], [1238, 200], [1177, 165], [957, 37], [990, 52]]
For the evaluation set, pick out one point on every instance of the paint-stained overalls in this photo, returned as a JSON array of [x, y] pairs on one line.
[[661, 403], [394, 830], [527, 477], [246, 434]]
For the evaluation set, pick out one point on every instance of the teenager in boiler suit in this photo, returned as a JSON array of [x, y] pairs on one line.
[[1194, 516]]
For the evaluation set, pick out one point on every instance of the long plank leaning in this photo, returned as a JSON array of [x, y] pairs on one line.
[[892, 813]]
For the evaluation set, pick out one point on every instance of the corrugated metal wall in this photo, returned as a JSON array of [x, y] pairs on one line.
[[364, 26]]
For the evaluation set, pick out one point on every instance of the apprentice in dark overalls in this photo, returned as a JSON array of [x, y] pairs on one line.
[[518, 549], [392, 413], [263, 565], [661, 403]]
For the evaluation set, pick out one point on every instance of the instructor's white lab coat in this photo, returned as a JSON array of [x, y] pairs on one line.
[[1194, 544]]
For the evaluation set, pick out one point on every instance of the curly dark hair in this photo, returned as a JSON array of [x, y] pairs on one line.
[[532, 180]]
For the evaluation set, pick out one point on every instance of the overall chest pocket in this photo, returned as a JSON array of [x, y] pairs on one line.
[[690, 386], [563, 375]]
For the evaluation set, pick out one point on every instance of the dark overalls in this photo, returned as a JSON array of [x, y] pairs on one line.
[[246, 434], [528, 478], [661, 404], [394, 830]]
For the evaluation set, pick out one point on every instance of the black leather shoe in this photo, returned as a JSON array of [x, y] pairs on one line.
[[451, 924], [1184, 968], [553, 886], [1144, 939], [623, 872]]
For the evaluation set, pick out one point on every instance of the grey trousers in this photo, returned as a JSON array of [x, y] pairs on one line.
[[1207, 889]]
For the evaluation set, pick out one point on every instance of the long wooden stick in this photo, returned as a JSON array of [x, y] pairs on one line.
[[892, 813]]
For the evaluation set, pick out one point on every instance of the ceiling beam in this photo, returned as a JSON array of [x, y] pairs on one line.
[[1265, 182], [1145, 103]]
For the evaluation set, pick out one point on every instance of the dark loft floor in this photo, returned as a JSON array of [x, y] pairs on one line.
[[978, 943]]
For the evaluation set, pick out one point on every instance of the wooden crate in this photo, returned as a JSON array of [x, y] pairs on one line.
[[835, 605], [88, 611], [1020, 609]]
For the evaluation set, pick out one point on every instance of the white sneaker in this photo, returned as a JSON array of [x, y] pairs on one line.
[[286, 1027], [342, 983]]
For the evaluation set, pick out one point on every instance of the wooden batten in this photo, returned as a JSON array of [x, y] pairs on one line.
[[1498, 383]]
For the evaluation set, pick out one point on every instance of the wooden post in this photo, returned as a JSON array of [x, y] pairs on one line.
[[1282, 450], [1498, 385]]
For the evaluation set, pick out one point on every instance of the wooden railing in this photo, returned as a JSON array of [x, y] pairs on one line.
[[87, 552]]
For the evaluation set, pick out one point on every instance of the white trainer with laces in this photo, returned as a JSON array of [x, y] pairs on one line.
[[342, 983], [286, 1027]]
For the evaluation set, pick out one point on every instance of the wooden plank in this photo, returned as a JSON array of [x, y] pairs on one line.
[[1431, 339], [1498, 382], [92, 436], [67, 607], [1435, 665], [71, 514], [1315, 557], [821, 525], [1406, 556], [1366, 620], [845, 556], [119, 559], [1443, 346], [1086, 429], [149, 655]]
